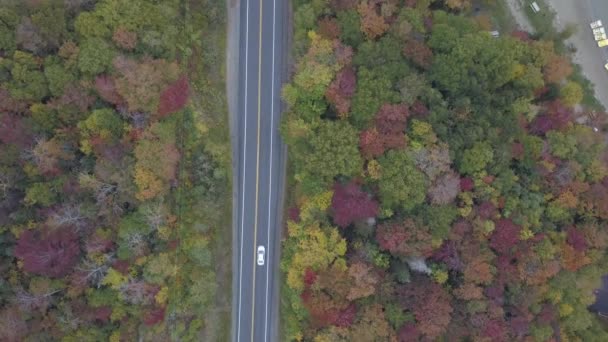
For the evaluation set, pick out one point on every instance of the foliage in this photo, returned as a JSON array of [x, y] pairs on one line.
[[476, 201], [97, 238], [349, 204], [400, 183], [47, 253]]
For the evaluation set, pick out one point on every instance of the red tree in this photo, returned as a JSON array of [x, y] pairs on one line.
[[408, 333], [371, 144], [404, 239], [341, 90], [420, 54], [521, 35], [556, 117], [346, 317], [430, 304], [350, 204], [448, 254], [154, 316], [106, 88], [49, 253], [419, 109], [505, 236], [174, 97], [392, 119], [14, 131], [329, 28], [576, 239], [486, 210]]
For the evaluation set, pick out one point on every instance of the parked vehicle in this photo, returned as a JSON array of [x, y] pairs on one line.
[[602, 43], [595, 24], [535, 7]]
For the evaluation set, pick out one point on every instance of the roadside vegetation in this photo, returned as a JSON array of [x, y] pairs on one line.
[[441, 187], [114, 171], [544, 26]]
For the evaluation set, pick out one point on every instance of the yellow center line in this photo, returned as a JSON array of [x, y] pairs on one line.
[[257, 173]]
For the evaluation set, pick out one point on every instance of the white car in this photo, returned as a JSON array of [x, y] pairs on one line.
[[596, 24], [599, 37], [599, 30], [261, 253]]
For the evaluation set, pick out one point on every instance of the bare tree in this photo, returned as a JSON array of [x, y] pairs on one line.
[[12, 326], [137, 292], [69, 215], [106, 194], [92, 272], [155, 215], [5, 185], [28, 301]]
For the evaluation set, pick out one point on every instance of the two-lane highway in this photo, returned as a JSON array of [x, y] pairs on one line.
[[259, 166]]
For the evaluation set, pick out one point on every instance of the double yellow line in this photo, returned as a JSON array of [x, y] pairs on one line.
[[257, 172]]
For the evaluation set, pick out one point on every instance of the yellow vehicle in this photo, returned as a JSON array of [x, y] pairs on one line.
[[602, 43]]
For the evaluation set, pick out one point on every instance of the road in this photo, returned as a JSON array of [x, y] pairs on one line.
[[259, 167], [588, 55]]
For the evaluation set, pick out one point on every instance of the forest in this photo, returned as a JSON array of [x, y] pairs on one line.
[[112, 129], [445, 184]]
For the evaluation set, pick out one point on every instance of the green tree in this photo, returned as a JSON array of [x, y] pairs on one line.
[[331, 151], [95, 56], [571, 93], [8, 22], [401, 184], [475, 158], [40, 193], [374, 88], [57, 75], [50, 21], [103, 123], [28, 82], [350, 27]]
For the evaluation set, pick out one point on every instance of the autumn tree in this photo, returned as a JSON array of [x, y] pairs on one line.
[[433, 161], [505, 235], [404, 239], [141, 83], [418, 52], [341, 90], [157, 157], [372, 23], [445, 188], [364, 281], [429, 303], [49, 253], [350, 204], [174, 97], [106, 88], [458, 4], [124, 38], [316, 248], [557, 68], [371, 325]]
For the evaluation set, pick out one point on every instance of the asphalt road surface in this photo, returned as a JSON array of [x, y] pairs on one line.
[[588, 55], [261, 51]]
